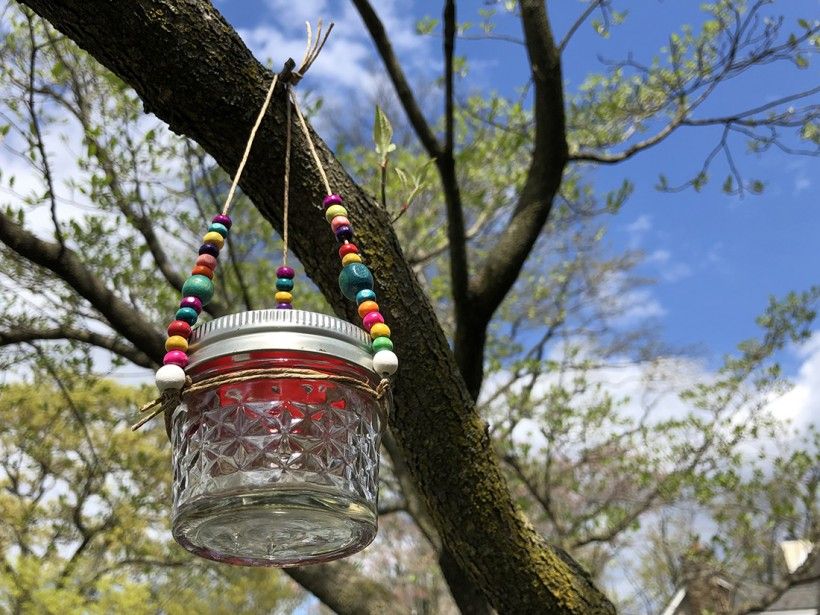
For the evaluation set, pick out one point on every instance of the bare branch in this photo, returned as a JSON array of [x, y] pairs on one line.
[[593, 4], [22, 335]]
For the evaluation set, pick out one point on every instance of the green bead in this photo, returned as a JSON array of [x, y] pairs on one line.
[[198, 286], [284, 284], [216, 227], [354, 278], [187, 314], [333, 211], [382, 343]]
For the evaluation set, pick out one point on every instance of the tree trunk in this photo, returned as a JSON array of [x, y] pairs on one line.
[[192, 70]]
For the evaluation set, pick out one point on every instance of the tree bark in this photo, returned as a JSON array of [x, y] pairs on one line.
[[192, 70]]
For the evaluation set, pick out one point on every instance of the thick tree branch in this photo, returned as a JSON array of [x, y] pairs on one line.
[[23, 335], [193, 71], [515, 243], [69, 267]]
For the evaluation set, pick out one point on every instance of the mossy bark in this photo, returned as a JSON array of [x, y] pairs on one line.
[[192, 70]]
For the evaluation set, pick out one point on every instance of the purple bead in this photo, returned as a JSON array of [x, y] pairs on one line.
[[208, 248], [332, 199], [192, 302], [344, 233], [285, 272], [284, 306], [222, 219]]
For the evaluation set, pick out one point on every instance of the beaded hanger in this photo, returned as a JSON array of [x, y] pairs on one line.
[[355, 279]]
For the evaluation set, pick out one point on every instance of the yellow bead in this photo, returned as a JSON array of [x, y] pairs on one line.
[[379, 330], [214, 238], [176, 342], [283, 297], [351, 258]]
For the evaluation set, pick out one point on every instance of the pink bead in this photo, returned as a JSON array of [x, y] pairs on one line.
[[206, 260], [338, 222], [370, 319], [175, 357]]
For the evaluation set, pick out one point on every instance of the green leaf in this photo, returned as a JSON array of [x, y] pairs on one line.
[[426, 25], [382, 135]]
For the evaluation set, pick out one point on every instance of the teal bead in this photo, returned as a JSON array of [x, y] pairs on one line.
[[354, 278], [198, 286], [216, 227], [382, 343], [365, 295], [187, 314], [284, 284]]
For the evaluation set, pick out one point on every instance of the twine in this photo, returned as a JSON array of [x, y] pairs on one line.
[[171, 398]]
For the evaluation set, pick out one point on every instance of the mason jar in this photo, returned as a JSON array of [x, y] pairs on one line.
[[277, 469]]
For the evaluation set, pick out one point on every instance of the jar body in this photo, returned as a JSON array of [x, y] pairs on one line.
[[277, 471]]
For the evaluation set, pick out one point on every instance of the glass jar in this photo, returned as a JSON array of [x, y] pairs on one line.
[[277, 471]]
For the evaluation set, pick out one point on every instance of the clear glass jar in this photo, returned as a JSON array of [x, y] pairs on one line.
[[277, 471]]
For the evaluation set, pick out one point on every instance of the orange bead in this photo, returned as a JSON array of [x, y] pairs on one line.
[[366, 307], [203, 270]]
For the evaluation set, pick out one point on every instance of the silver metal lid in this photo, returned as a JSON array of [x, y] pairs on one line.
[[280, 330]]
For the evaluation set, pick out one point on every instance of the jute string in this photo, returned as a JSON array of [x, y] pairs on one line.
[[172, 398]]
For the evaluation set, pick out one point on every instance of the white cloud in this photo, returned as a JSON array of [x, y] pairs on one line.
[[669, 269], [801, 404]]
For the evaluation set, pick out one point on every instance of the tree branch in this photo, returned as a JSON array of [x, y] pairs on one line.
[[549, 157], [67, 265], [23, 334], [593, 4], [403, 91], [157, 47]]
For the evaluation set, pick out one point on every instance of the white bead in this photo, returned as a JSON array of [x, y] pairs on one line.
[[385, 362], [170, 377]]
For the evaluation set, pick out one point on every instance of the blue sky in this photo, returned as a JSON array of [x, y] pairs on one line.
[[717, 258]]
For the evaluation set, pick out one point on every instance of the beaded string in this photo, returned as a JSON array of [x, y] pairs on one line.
[[355, 279]]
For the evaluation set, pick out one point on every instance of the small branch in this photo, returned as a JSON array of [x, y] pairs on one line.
[[807, 573], [403, 91], [594, 4], [23, 335]]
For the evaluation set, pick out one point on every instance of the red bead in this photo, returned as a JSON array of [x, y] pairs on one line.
[[202, 270], [179, 327], [348, 248]]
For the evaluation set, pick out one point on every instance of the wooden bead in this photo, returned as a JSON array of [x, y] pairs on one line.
[[223, 220], [351, 258], [283, 297], [284, 284], [206, 260], [339, 222], [354, 278], [191, 302], [175, 357], [169, 377], [202, 270], [366, 294], [209, 248], [379, 330], [216, 227], [215, 239], [332, 199], [385, 362], [176, 342], [333, 211], [348, 248], [371, 319], [199, 286], [285, 272], [366, 307], [180, 328], [187, 314], [382, 343]]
